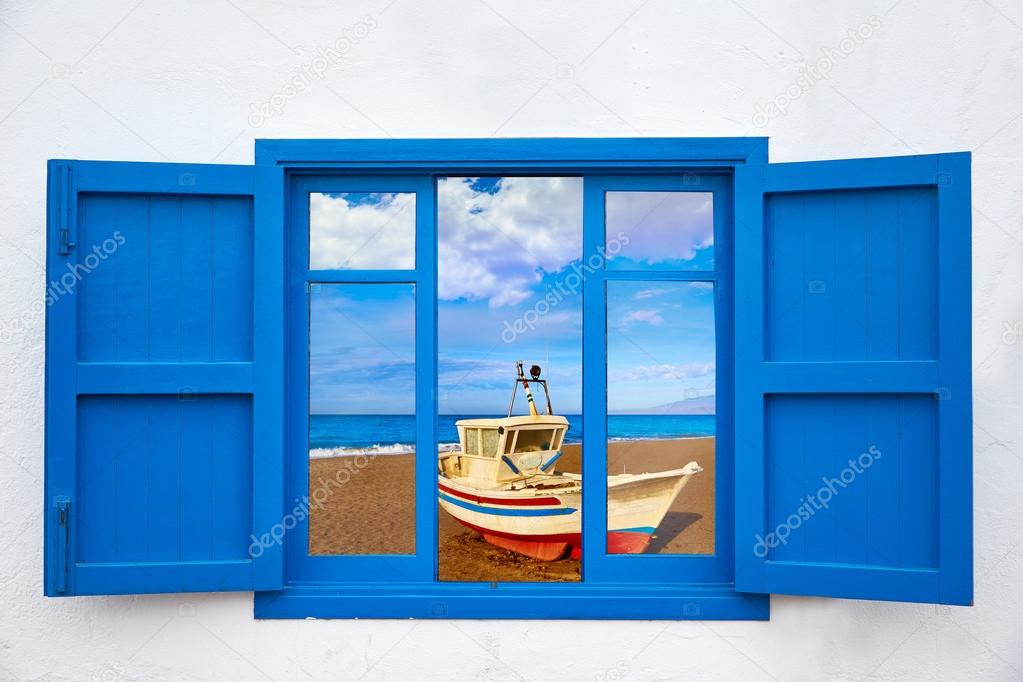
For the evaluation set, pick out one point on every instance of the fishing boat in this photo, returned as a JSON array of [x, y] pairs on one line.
[[502, 481]]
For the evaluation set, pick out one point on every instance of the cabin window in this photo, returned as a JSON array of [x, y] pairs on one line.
[[533, 440], [490, 439], [472, 441]]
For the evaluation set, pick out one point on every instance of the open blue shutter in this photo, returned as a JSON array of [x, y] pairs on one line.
[[853, 397], [164, 377]]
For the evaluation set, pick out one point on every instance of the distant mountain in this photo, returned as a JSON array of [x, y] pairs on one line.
[[701, 405]]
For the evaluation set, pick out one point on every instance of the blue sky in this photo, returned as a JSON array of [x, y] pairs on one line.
[[666, 230], [508, 291], [362, 349], [660, 343]]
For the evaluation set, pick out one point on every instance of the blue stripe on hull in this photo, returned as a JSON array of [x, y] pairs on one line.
[[649, 530], [560, 511]]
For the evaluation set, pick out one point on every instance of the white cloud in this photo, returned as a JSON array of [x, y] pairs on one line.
[[649, 316], [661, 225], [667, 372], [345, 232], [649, 293], [495, 247]]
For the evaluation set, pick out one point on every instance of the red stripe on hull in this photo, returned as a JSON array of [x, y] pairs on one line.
[[511, 502], [562, 545]]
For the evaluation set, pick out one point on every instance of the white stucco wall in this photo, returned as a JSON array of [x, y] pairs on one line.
[[181, 81]]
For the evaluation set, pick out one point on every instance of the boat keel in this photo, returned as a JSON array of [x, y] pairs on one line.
[[544, 551], [627, 542], [618, 542]]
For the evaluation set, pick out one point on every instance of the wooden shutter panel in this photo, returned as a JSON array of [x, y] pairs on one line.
[[164, 377], [853, 408]]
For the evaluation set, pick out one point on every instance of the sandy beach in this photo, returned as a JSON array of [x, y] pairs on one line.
[[371, 510]]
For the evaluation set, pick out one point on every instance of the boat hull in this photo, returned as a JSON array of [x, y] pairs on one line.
[[547, 525]]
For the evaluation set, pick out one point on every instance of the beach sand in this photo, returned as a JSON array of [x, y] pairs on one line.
[[369, 508], [373, 512]]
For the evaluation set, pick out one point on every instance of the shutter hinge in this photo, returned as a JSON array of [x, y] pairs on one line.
[[65, 204], [65, 242], [63, 542]]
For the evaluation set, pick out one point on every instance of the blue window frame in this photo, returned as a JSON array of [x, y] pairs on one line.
[[813, 357], [301, 566], [599, 566]]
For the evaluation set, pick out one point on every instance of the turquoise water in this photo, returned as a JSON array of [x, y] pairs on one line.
[[337, 434]]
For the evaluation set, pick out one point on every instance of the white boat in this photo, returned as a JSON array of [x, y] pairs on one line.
[[503, 483]]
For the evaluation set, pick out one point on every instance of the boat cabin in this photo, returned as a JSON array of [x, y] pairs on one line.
[[507, 449]]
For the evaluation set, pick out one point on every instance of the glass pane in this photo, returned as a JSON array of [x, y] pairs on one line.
[[362, 422], [490, 439], [509, 289], [472, 441], [362, 230], [661, 379], [533, 441], [659, 230]]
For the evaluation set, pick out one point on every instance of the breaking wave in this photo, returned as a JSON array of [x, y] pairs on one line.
[[373, 450]]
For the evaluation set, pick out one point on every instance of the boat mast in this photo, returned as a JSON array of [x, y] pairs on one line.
[[534, 372], [525, 387]]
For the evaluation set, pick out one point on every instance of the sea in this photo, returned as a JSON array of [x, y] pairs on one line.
[[334, 435]]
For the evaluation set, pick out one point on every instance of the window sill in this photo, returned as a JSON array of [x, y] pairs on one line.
[[574, 601]]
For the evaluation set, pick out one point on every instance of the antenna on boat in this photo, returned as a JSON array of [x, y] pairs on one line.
[[534, 373]]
